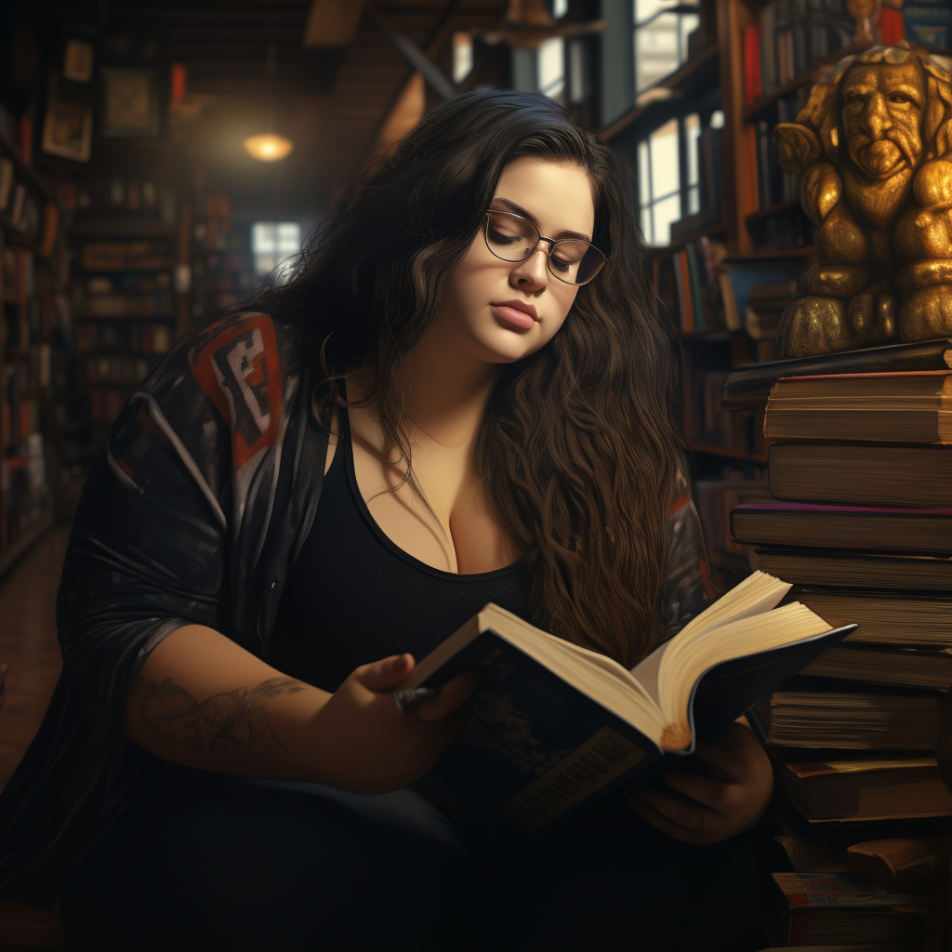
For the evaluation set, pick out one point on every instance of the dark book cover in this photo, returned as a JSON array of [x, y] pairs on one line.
[[842, 568], [749, 388], [536, 751], [844, 527]]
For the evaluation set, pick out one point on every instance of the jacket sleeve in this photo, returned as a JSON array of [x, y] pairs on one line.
[[687, 589], [153, 548]]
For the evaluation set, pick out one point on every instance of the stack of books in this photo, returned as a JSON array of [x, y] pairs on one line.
[[860, 470]]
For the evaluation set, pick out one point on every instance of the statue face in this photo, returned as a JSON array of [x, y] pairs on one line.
[[883, 105]]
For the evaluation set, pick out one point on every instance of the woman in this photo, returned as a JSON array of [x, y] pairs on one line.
[[470, 357]]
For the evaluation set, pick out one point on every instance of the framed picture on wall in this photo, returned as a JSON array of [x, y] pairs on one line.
[[78, 61], [130, 103], [68, 130]]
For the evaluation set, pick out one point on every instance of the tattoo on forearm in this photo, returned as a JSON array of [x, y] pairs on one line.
[[226, 727]]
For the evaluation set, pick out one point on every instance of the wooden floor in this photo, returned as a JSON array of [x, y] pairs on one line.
[[28, 644], [29, 649]]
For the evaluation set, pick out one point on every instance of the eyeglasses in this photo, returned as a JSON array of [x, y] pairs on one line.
[[514, 238]]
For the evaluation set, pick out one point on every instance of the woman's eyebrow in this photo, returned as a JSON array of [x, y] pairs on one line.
[[519, 210]]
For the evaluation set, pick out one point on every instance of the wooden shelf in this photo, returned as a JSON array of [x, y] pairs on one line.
[[712, 450], [706, 231], [780, 208], [87, 272], [672, 81], [122, 230], [804, 252], [123, 317]]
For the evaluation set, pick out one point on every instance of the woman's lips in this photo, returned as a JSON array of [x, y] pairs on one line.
[[513, 316]]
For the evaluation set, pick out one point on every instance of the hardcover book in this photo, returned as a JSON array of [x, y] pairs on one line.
[[825, 908], [820, 712], [848, 569], [749, 388], [848, 527], [861, 474], [884, 618], [555, 727], [882, 407], [864, 786], [919, 667]]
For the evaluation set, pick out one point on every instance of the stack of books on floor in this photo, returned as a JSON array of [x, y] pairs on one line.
[[860, 468]]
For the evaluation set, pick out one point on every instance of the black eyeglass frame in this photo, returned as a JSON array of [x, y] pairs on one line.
[[552, 244]]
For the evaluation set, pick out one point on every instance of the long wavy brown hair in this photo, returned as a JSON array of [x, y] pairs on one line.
[[578, 451]]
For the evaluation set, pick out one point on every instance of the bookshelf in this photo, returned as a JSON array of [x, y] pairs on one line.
[[31, 343], [129, 289]]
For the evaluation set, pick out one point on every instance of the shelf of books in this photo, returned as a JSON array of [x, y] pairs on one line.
[[128, 289], [31, 337], [857, 518], [859, 521]]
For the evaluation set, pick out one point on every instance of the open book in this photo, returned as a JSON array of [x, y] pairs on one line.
[[555, 726]]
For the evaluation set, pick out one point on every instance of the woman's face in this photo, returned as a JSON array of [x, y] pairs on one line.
[[480, 311]]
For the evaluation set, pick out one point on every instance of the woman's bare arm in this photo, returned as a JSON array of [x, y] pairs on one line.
[[203, 701]]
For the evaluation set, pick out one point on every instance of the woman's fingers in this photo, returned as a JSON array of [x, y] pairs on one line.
[[702, 819], [385, 675], [685, 815], [452, 695], [705, 790]]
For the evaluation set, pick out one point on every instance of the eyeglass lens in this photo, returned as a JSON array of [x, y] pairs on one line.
[[514, 239]]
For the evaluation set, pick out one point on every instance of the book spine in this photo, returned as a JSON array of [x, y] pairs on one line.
[[752, 80], [697, 295]]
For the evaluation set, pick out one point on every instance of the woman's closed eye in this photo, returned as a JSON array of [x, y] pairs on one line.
[[505, 239]]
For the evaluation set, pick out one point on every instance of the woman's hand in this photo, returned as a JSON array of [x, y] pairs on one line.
[[730, 797], [366, 744]]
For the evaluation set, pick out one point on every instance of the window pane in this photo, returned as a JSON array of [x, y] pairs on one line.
[[551, 67], [646, 225], [263, 237], [689, 23], [692, 130], [665, 178], [665, 212], [462, 56], [694, 200], [656, 50], [289, 238], [644, 173]]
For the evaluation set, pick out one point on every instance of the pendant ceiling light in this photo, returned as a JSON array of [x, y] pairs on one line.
[[269, 146]]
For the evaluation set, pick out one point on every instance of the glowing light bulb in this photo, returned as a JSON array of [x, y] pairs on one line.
[[268, 147]]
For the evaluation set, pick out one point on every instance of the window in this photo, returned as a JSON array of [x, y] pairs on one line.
[[659, 183], [274, 242], [661, 38], [462, 56], [551, 68]]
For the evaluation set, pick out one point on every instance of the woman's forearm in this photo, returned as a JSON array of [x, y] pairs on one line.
[[204, 701]]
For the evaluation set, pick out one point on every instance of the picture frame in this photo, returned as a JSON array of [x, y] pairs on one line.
[[78, 61], [130, 103], [68, 130]]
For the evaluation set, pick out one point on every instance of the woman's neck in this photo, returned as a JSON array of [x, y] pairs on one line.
[[445, 394]]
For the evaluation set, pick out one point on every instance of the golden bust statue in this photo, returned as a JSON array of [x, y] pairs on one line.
[[873, 150]]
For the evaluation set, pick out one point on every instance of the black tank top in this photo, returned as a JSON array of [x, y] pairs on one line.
[[352, 596]]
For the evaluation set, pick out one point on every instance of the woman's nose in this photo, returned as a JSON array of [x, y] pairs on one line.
[[531, 273]]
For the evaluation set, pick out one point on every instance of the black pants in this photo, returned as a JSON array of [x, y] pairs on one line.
[[211, 862]]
